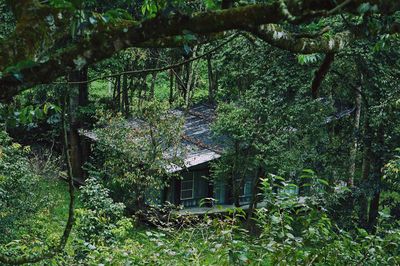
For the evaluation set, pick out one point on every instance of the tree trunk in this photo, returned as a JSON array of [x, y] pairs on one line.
[[366, 167], [78, 97], [125, 96], [131, 90], [83, 87], [379, 163], [171, 86], [212, 82], [117, 97], [236, 180], [354, 145], [190, 79], [254, 197], [153, 84], [110, 88], [374, 210], [187, 84], [142, 91]]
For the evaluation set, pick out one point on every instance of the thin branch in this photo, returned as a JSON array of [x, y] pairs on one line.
[[178, 78], [339, 7], [71, 187], [150, 70]]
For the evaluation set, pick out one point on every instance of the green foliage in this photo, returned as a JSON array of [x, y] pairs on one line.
[[293, 230], [29, 115], [7, 20], [62, 4], [308, 59], [297, 230], [151, 7], [18, 197], [134, 155], [99, 221], [392, 173], [114, 15], [32, 201]]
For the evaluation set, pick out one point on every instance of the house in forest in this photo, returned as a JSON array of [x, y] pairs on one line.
[[193, 183]]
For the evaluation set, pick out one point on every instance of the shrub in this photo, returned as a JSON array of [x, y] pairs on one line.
[[19, 196]]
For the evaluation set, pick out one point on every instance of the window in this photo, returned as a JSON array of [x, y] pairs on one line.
[[187, 188], [247, 188], [245, 196]]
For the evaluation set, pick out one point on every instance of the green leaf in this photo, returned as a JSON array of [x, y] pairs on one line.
[[62, 4], [92, 20], [307, 59], [322, 181], [210, 4], [309, 171], [45, 108]]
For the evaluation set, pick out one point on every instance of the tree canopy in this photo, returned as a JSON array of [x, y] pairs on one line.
[[42, 48]]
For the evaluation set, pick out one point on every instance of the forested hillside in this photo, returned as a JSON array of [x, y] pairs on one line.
[[215, 132]]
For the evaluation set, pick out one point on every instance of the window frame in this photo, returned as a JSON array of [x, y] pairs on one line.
[[192, 189], [247, 185]]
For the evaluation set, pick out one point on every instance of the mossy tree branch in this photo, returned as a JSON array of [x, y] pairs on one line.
[[105, 40], [278, 37], [37, 29]]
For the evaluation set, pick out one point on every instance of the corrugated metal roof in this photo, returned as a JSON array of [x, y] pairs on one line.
[[197, 139]]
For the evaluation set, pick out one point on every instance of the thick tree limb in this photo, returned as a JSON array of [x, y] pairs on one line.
[[109, 39], [278, 37], [38, 28], [321, 73]]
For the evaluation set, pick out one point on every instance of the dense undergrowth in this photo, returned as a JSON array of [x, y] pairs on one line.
[[103, 236], [290, 231]]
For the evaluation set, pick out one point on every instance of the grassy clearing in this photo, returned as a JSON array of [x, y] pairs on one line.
[[101, 89], [50, 221]]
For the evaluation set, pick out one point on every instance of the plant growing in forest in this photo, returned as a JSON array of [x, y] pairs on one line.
[[100, 221], [136, 155], [297, 230], [19, 196]]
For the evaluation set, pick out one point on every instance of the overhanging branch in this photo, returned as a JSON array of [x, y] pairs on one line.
[[106, 40], [278, 37]]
